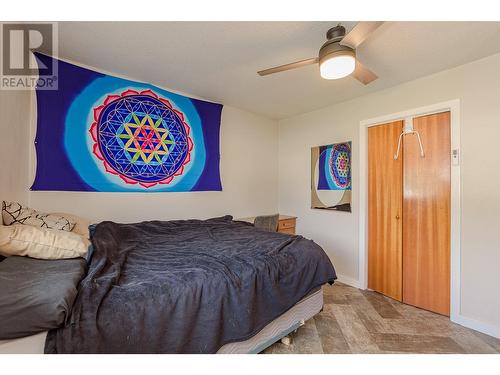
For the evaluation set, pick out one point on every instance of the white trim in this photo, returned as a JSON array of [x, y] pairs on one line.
[[486, 328], [454, 107], [349, 281]]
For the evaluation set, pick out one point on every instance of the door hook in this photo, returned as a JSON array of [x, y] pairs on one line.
[[408, 129]]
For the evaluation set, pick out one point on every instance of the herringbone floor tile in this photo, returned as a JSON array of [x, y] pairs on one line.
[[358, 321]]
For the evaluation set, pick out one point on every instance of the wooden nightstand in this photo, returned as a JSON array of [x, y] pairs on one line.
[[286, 224]]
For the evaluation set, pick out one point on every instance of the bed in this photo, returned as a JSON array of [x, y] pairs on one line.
[[280, 327], [190, 286]]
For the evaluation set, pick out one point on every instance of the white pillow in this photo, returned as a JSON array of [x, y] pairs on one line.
[[14, 213], [41, 243]]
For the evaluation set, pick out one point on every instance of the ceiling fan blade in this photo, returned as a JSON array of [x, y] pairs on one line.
[[294, 65], [363, 74], [359, 33]]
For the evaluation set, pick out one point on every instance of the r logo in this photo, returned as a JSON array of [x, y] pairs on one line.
[[19, 42]]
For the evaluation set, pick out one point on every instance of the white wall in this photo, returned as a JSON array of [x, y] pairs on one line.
[[477, 85], [14, 131]]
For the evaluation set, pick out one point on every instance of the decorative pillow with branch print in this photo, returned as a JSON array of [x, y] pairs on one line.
[[15, 213]]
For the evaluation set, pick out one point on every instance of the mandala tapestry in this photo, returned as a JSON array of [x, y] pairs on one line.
[[102, 133], [331, 176]]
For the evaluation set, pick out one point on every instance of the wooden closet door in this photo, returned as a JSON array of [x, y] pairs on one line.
[[384, 210], [426, 213]]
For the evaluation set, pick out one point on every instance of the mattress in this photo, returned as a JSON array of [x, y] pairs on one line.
[[272, 332]]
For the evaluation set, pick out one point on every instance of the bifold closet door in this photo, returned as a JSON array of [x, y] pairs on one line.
[[426, 213], [384, 210]]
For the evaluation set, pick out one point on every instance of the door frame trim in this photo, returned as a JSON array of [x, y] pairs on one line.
[[455, 215]]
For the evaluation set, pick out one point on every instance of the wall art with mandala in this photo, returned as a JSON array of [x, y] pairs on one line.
[[331, 182], [97, 132]]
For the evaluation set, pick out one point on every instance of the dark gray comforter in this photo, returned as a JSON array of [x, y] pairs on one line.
[[186, 286]]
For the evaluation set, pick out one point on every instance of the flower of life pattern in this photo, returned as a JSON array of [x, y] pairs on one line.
[[340, 165], [141, 138]]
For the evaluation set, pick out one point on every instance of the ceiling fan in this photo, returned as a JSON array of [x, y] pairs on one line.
[[337, 57]]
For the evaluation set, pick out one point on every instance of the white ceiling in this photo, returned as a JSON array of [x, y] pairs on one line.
[[218, 60]]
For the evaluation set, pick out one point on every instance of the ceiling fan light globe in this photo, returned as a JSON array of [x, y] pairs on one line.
[[337, 66]]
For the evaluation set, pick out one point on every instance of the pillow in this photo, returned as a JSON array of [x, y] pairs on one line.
[[36, 295], [81, 225], [14, 213], [41, 243]]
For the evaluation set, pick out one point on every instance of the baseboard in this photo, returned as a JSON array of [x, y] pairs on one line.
[[349, 281], [486, 328]]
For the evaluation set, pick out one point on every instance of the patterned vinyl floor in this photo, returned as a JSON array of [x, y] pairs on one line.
[[358, 321]]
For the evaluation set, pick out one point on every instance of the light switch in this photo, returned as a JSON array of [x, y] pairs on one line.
[[455, 157]]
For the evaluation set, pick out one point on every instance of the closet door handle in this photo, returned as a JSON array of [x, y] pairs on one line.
[[397, 217]]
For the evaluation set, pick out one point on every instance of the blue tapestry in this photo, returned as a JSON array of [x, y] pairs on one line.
[[102, 133], [335, 167]]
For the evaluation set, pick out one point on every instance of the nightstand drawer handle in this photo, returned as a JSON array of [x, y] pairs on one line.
[[287, 224]]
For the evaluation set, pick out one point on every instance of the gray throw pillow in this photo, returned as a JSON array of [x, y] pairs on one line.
[[267, 222], [37, 295]]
